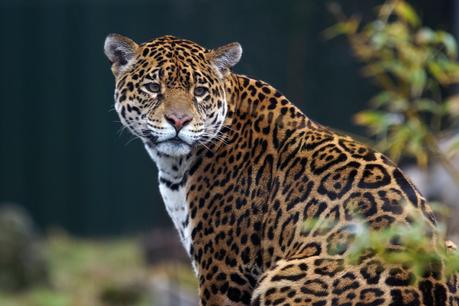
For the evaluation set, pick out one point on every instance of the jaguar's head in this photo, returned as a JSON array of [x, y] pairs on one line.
[[171, 92]]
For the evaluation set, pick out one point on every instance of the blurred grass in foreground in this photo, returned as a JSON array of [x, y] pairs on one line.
[[412, 243], [97, 272]]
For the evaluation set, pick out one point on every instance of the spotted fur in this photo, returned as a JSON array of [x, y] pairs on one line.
[[242, 177]]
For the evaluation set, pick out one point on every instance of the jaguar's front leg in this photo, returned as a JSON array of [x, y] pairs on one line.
[[220, 287]]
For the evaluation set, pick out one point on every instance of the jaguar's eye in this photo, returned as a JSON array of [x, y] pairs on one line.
[[153, 87], [200, 91]]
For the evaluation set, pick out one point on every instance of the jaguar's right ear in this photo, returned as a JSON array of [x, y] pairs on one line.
[[121, 51]]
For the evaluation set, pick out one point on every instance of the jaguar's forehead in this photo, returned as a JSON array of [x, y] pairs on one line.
[[175, 59], [170, 47]]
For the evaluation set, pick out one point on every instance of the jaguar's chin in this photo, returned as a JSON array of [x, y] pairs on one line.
[[173, 148]]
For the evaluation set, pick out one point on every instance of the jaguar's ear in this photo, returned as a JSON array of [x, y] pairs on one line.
[[121, 51], [225, 57]]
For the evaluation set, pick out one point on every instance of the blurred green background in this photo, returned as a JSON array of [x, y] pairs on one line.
[[61, 156]]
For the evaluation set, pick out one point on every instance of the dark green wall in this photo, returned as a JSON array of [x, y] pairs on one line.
[[61, 155]]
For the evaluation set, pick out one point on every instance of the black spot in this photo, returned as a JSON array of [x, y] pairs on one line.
[[399, 300], [234, 294], [374, 176], [406, 187], [288, 277], [238, 279]]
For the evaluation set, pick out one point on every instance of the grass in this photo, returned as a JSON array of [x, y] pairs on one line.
[[91, 272]]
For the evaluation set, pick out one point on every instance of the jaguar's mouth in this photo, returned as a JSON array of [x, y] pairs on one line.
[[174, 141]]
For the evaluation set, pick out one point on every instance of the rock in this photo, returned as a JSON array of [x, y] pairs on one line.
[[22, 260]]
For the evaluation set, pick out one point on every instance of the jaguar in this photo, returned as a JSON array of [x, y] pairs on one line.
[[241, 171]]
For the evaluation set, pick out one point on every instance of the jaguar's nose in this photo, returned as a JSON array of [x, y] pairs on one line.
[[178, 121]]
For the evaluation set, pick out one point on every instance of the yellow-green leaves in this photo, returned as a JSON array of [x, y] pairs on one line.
[[445, 71], [406, 12], [346, 27], [412, 249], [415, 245], [412, 65], [378, 121]]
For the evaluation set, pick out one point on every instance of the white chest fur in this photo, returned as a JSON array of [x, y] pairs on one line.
[[173, 191], [177, 207]]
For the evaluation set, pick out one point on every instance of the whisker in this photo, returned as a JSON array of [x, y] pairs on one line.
[[131, 140], [228, 128], [208, 149]]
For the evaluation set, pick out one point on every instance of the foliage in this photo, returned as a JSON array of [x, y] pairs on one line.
[[413, 249], [413, 65], [416, 246]]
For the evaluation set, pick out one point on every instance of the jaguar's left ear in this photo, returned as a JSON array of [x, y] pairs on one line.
[[225, 57]]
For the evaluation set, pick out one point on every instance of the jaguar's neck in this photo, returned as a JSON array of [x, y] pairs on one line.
[[173, 176], [172, 170], [233, 98]]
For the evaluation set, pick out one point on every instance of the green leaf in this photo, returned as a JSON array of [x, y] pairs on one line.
[[450, 70], [398, 141], [378, 40], [397, 32], [382, 98], [437, 71], [426, 105], [347, 27], [452, 106], [425, 36], [449, 42], [398, 68], [398, 106], [417, 149], [378, 122], [368, 117], [406, 12], [418, 81]]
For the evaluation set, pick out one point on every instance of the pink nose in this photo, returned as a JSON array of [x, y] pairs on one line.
[[178, 121]]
